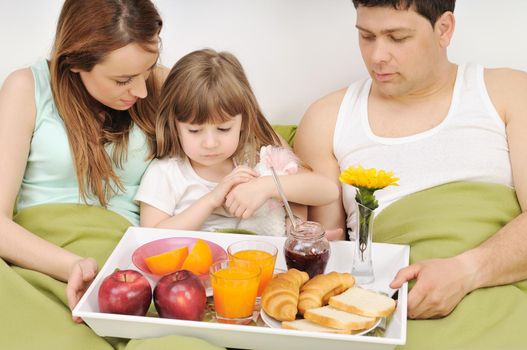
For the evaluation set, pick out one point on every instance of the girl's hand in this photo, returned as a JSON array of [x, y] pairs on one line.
[[239, 175], [82, 274], [243, 200]]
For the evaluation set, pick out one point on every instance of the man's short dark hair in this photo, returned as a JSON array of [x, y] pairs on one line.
[[429, 9]]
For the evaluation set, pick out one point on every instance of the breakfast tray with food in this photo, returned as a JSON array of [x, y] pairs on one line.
[[328, 310]]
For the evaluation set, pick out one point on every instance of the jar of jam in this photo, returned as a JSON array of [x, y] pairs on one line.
[[307, 248]]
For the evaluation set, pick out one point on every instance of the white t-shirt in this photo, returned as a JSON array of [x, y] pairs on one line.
[[171, 185]]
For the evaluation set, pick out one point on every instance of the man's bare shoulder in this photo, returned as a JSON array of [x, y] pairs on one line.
[[315, 131], [327, 106], [507, 89], [508, 76]]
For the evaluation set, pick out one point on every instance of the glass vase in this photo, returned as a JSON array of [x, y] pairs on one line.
[[362, 268]]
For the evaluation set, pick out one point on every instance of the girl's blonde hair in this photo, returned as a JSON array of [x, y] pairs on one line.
[[87, 31], [206, 86]]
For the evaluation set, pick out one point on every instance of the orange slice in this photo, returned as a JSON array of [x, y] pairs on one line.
[[199, 259], [167, 262]]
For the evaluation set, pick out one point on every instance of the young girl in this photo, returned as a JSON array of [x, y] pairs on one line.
[[209, 132]]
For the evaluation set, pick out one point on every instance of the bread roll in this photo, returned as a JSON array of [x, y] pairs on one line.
[[280, 297], [317, 291]]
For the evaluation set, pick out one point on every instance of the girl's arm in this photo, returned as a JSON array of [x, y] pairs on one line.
[[19, 246], [191, 218], [305, 188]]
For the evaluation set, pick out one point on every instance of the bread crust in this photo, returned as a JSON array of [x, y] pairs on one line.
[[362, 312], [334, 321], [317, 291], [348, 304], [298, 325]]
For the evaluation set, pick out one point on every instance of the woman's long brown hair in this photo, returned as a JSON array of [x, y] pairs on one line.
[[206, 86], [87, 31]]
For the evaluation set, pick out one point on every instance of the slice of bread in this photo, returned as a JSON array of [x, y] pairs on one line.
[[363, 302], [306, 325], [331, 317]]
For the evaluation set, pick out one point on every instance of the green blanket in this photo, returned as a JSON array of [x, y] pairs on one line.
[[439, 222], [442, 222], [33, 306]]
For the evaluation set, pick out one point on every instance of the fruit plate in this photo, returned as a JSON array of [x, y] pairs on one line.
[[387, 260], [159, 246]]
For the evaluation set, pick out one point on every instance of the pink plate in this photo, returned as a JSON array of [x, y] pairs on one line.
[[166, 244]]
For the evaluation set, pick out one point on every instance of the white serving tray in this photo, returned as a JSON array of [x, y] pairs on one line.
[[387, 258]]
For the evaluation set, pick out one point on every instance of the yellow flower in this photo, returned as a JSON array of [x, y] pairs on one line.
[[367, 178], [367, 181]]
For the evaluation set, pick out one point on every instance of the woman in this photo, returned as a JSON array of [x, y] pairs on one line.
[[74, 129]]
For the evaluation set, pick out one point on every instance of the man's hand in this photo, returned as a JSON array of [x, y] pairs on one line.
[[82, 274], [440, 285]]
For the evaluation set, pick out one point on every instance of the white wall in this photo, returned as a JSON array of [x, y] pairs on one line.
[[294, 51]]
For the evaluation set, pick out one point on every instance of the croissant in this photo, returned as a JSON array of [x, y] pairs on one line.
[[317, 291], [280, 297]]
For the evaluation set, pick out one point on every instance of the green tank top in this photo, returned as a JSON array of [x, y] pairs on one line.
[[50, 172]]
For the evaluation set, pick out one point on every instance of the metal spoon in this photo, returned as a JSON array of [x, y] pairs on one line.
[[284, 199]]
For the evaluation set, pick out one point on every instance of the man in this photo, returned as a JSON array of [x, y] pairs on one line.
[[432, 122]]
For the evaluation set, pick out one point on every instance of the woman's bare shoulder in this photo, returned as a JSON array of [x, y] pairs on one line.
[[17, 97], [20, 79]]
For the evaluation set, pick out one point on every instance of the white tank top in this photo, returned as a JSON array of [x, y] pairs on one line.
[[470, 144]]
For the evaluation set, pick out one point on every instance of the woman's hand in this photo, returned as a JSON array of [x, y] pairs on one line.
[[243, 200], [82, 274], [239, 175]]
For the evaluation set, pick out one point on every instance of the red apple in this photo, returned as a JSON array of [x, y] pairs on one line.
[[180, 295], [125, 292]]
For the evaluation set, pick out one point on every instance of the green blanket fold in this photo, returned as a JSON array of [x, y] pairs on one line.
[[33, 307], [445, 221]]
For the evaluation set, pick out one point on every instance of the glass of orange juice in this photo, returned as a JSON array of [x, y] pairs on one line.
[[257, 253], [234, 288]]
